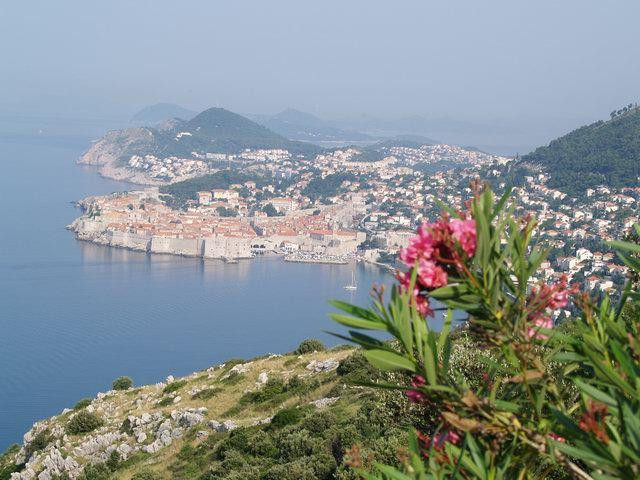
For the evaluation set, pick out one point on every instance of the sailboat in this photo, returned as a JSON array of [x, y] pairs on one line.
[[353, 285]]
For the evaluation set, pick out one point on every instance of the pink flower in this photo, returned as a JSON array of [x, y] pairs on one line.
[[431, 275], [464, 231], [420, 246], [559, 299], [415, 396], [421, 302], [446, 437], [557, 438], [541, 321]]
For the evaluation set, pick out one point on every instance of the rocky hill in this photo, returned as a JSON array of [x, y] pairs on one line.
[[215, 130], [275, 417]]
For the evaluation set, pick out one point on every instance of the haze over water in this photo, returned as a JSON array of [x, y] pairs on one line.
[[75, 315]]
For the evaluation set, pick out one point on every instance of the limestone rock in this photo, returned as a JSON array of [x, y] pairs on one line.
[[317, 366]]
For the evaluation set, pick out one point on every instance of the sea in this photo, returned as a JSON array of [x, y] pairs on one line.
[[74, 316]]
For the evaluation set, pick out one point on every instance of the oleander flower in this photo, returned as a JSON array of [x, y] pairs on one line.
[[420, 246], [536, 323], [416, 396], [421, 301], [431, 275], [464, 231]]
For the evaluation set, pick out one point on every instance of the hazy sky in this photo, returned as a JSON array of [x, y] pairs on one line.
[[471, 59]]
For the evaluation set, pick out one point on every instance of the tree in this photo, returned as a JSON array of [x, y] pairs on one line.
[[227, 212], [270, 210]]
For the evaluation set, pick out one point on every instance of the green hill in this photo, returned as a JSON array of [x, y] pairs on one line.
[[220, 130], [603, 153]]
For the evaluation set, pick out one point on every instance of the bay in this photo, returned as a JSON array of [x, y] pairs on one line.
[[73, 316]]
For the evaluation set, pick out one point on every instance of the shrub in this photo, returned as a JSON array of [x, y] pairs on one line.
[[126, 427], [39, 442], [287, 416], [165, 402], [122, 383], [84, 403], [356, 369], [207, 393], [146, 474], [114, 460], [517, 397], [319, 422], [309, 346], [174, 386], [96, 472], [271, 390], [83, 422]]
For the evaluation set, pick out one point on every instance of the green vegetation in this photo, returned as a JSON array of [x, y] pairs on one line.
[[176, 195], [165, 402], [310, 345], [146, 474], [512, 395], [227, 212], [174, 386], [83, 422], [603, 153], [219, 130], [122, 383], [328, 186], [40, 441], [83, 403], [301, 442], [207, 393], [271, 211]]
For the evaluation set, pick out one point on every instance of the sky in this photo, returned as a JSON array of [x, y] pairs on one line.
[[535, 64]]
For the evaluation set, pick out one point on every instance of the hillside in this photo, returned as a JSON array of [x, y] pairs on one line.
[[297, 125], [276, 417], [215, 130], [160, 112], [603, 153]]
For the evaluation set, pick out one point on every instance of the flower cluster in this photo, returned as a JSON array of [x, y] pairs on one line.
[[416, 396], [437, 442], [543, 299], [438, 250]]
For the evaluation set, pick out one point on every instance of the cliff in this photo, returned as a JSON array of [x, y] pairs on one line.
[[148, 432], [111, 154]]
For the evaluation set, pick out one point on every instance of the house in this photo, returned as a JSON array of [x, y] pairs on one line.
[[284, 204], [204, 198]]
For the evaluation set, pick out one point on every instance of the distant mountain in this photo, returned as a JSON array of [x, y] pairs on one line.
[[603, 153], [297, 125], [415, 124], [160, 112], [215, 130], [411, 141]]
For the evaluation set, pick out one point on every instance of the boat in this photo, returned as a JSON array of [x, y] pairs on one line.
[[353, 285]]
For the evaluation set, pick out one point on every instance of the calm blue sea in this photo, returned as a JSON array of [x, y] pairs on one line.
[[73, 316]]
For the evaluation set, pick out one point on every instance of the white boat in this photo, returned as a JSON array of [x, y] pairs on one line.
[[353, 285]]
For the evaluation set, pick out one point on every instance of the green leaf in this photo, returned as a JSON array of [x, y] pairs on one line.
[[582, 454], [357, 322], [596, 394], [389, 361], [355, 310]]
